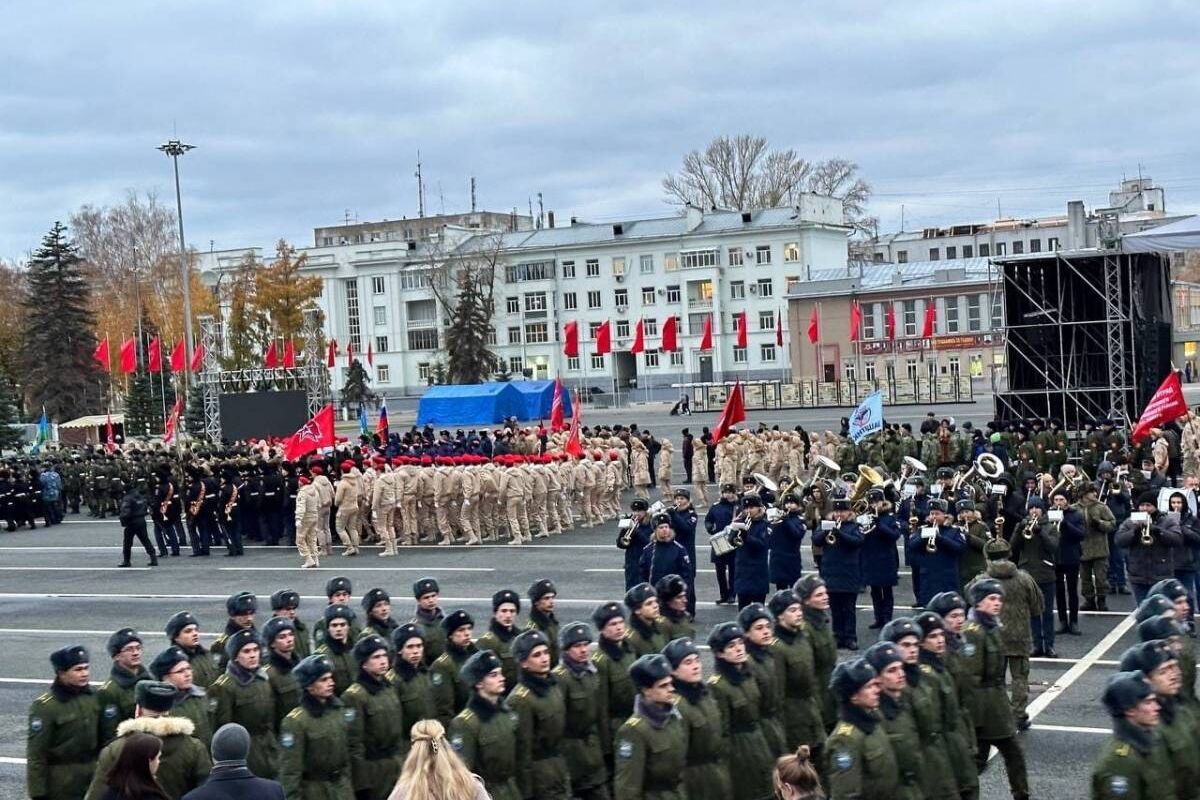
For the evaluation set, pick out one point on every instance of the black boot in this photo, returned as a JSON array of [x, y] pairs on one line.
[[124, 564], [1089, 604], [153, 561], [1101, 603]]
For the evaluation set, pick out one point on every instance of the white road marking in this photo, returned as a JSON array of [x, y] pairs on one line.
[[380, 568], [11, 760], [75, 569], [1077, 670], [139, 596], [1072, 729]]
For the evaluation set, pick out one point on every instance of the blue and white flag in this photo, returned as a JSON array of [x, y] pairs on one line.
[[867, 418], [43, 432]]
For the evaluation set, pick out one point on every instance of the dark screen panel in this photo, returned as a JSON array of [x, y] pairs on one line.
[[256, 415]]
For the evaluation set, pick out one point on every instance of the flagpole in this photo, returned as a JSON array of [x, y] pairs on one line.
[[817, 354]]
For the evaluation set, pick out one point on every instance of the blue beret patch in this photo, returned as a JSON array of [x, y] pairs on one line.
[[35, 724], [110, 712], [286, 739]]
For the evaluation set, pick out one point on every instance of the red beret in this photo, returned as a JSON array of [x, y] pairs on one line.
[[315, 469]]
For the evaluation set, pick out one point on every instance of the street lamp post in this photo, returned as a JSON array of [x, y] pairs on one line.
[[175, 149]]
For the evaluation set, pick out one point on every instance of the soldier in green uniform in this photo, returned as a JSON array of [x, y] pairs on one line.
[[502, 629], [706, 776], [542, 595], [763, 663], [814, 597], [801, 704], [1177, 720], [116, 696], [862, 763], [338, 590], [279, 637], [62, 745], [243, 695], [1173, 590], [645, 633], [378, 724], [183, 631], [429, 617], [577, 677], [184, 762], [336, 644], [191, 702], [410, 678], [241, 608], [897, 716], [676, 622], [739, 696], [450, 694], [651, 747], [953, 610], [971, 561], [377, 605], [317, 737], [943, 694], [612, 659], [984, 664], [1134, 763], [485, 734], [286, 603], [541, 709]]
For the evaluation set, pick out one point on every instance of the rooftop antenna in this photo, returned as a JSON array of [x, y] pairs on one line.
[[541, 210], [472, 194], [530, 199], [346, 218], [420, 188], [441, 198]]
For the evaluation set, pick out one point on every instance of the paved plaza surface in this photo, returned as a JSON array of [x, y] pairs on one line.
[[62, 586]]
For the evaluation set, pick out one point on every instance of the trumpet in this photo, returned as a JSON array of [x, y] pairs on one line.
[[1147, 536], [625, 526], [1027, 531], [999, 523], [931, 543]]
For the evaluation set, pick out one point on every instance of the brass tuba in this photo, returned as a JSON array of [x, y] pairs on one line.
[[986, 464], [825, 468], [868, 478]]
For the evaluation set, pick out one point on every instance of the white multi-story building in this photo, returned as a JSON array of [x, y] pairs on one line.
[[693, 266]]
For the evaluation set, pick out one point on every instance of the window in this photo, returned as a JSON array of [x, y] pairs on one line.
[[592, 267], [491, 336], [765, 287], [791, 251], [676, 358], [1018, 248], [694, 259], [985, 250], [573, 363], [736, 256], [974, 322], [696, 322], [621, 297], [737, 290], [592, 328], [415, 279], [739, 355], [997, 312], [910, 369], [514, 334], [423, 339], [951, 253], [381, 344], [650, 326], [383, 374], [618, 265], [673, 294], [766, 320], [513, 305], [671, 262], [377, 284], [424, 370], [594, 299], [597, 361], [380, 315], [570, 301], [901, 256], [910, 317], [647, 295], [351, 286], [951, 315], [953, 363], [766, 352], [1052, 244], [651, 358], [848, 371], [762, 254], [531, 271], [646, 264], [1001, 248], [933, 254], [537, 333], [516, 365], [568, 269], [1035, 245], [868, 315], [869, 371], [968, 251], [535, 302], [791, 282], [622, 329]]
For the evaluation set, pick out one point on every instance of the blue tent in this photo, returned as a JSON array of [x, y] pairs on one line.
[[476, 404], [536, 399]]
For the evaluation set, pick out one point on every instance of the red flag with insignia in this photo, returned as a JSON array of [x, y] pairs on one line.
[[316, 433]]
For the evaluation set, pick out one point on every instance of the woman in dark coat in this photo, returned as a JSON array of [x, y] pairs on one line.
[[783, 542], [132, 777]]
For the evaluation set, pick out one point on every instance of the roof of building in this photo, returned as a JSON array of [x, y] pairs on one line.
[[887, 276]]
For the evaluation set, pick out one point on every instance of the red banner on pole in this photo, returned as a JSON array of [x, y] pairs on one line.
[[733, 413], [177, 357], [154, 355], [101, 355], [670, 334], [571, 340], [1166, 404], [706, 339], [316, 433], [604, 339], [128, 356]]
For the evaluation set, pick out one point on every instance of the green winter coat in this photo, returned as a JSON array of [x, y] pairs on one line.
[[581, 735], [414, 691], [379, 735], [283, 686], [499, 641], [646, 639], [1133, 765], [971, 560], [938, 779], [432, 633], [825, 656], [117, 701], [900, 723], [1178, 731], [486, 737], [616, 694], [650, 761], [960, 743], [984, 666], [204, 665], [62, 743], [765, 667], [1099, 522], [1038, 554], [802, 723], [706, 775], [1022, 601], [315, 741], [676, 626], [341, 656], [739, 697], [184, 763], [450, 694], [253, 707], [547, 624], [862, 763], [195, 708], [542, 714]]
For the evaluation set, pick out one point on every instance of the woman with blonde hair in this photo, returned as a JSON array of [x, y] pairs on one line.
[[433, 771]]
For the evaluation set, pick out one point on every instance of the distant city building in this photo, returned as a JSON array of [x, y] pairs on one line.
[[418, 229]]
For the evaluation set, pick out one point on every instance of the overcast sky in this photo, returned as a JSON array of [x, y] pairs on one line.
[[304, 110]]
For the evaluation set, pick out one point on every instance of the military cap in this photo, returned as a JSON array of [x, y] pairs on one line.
[[1147, 656], [243, 638], [166, 661], [792, 497], [728, 487], [367, 646], [505, 596], [374, 596], [337, 584], [805, 587], [573, 634], [402, 634], [540, 589], [1149, 498], [155, 696], [1169, 588], [873, 496], [526, 642], [241, 603], [639, 505], [842, 504], [850, 676], [605, 613], [669, 587], [285, 598], [996, 548], [751, 614], [649, 670], [425, 586], [781, 601], [881, 654], [638, 595], [1155, 605], [1158, 628], [981, 589], [455, 620], [660, 519], [311, 669], [478, 667], [938, 504], [965, 504], [917, 480], [928, 622], [338, 611], [723, 634], [120, 638], [70, 656], [1125, 690], [681, 492], [178, 622], [752, 501], [945, 472], [1036, 502], [897, 629], [276, 626]]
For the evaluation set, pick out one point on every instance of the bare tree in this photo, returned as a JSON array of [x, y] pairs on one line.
[[463, 281]]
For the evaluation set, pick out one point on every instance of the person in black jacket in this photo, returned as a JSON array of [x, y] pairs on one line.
[[663, 556], [719, 515], [683, 522], [230, 778], [133, 521], [168, 532], [270, 504], [1072, 532], [1186, 557], [752, 581], [633, 534], [784, 540]]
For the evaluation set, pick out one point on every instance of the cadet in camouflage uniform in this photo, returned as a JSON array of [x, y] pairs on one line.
[[764, 664], [739, 696], [1177, 720], [242, 608], [485, 733], [541, 614], [862, 763], [191, 702], [645, 633], [957, 741], [612, 658], [378, 726], [285, 603], [279, 637], [410, 678], [541, 710], [706, 775], [63, 728], [243, 695], [450, 694], [502, 629], [337, 645], [577, 677], [429, 617], [317, 738], [651, 747], [1134, 763], [116, 696]]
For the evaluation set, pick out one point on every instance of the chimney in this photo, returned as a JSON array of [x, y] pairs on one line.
[[550, 218], [574, 221], [1076, 226], [695, 216]]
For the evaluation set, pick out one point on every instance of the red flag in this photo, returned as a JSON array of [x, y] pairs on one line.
[[128, 356], [349, 353], [571, 340], [741, 330], [573, 446], [779, 328], [316, 433], [197, 358], [891, 322], [370, 354], [101, 355], [1166, 404], [670, 334], [110, 442], [332, 359], [855, 321], [707, 336], [154, 355], [639, 338], [272, 359], [733, 413], [173, 421], [177, 357], [289, 355], [930, 319], [814, 327], [604, 339], [556, 407]]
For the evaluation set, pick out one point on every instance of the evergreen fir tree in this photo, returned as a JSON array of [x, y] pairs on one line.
[[468, 356], [140, 411], [10, 436], [193, 413], [356, 391], [58, 369]]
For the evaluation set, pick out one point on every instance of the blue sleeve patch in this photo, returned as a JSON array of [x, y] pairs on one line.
[[1119, 785], [110, 712], [35, 724], [843, 760], [456, 741], [625, 748], [286, 739], [968, 649]]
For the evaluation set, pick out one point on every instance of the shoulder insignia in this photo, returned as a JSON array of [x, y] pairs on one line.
[[633, 722], [221, 680], [843, 729], [713, 680], [294, 713], [1121, 750], [926, 669], [354, 689], [45, 698], [520, 691], [466, 714], [972, 626], [560, 671], [456, 741]]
